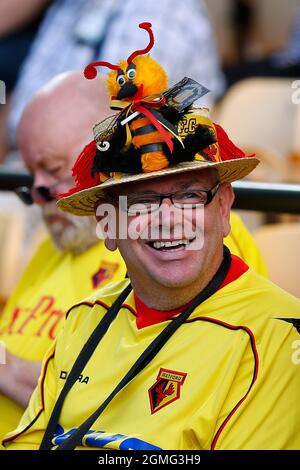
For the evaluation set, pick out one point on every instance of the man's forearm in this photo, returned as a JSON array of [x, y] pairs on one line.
[[18, 378]]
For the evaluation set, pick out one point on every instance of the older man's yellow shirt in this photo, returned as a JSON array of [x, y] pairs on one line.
[[34, 314]]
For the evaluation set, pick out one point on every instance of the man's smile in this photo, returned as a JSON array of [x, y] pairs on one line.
[[170, 245]]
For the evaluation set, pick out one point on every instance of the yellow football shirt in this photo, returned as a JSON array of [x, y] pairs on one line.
[[227, 379], [51, 283], [54, 281], [241, 243]]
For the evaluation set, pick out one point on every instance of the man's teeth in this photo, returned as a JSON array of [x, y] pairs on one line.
[[159, 245]]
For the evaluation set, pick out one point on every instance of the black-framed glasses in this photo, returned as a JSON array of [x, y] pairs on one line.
[[189, 199], [43, 193]]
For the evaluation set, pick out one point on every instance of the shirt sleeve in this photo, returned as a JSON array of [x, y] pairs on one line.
[[30, 431], [241, 243], [33, 424], [269, 417]]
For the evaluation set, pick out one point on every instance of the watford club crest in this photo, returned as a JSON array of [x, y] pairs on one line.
[[105, 272], [166, 389]]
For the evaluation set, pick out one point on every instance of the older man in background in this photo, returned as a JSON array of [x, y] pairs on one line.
[[50, 139]]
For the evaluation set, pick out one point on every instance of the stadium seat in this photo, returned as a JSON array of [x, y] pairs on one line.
[[295, 149], [273, 22], [269, 16], [21, 230], [279, 245], [11, 234], [258, 114]]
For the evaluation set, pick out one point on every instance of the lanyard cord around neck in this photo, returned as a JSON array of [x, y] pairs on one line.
[[149, 353]]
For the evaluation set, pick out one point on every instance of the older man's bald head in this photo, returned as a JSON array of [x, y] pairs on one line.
[[58, 120]]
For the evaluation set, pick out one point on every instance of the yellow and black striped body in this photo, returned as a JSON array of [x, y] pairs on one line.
[[150, 143]]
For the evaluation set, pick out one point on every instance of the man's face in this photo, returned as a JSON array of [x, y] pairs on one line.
[[69, 232], [53, 130], [148, 260], [50, 159]]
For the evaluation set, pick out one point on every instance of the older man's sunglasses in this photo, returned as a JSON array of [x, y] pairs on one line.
[[43, 193], [25, 194]]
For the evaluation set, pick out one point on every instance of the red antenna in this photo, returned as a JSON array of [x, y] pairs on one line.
[[147, 27], [90, 70]]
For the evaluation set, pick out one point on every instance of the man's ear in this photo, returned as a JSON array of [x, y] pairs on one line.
[[226, 198], [106, 228], [111, 244]]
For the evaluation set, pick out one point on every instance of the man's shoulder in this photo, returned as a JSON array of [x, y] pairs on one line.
[[46, 250], [252, 287], [100, 300], [44, 256], [83, 317], [262, 288], [277, 311], [256, 303], [43, 250]]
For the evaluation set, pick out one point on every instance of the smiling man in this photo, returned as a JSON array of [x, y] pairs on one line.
[[166, 253], [195, 349]]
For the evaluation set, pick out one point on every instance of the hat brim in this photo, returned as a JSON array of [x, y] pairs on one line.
[[83, 202]]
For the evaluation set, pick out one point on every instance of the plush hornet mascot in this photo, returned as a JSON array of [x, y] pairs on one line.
[[153, 129]]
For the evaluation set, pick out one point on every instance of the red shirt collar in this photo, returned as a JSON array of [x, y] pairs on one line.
[[150, 316]]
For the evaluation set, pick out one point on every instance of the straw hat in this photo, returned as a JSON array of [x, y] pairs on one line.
[[230, 162], [157, 132]]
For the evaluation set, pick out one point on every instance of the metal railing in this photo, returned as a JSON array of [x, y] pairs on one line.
[[262, 197], [267, 197], [11, 180]]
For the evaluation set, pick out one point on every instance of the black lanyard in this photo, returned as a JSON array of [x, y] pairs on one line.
[[149, 353]]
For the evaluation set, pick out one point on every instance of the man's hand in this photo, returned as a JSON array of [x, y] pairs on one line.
[[18, 378]]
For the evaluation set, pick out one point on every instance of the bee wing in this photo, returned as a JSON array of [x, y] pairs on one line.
[[104, 130]]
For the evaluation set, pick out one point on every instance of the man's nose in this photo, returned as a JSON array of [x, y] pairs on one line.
[[167, 211], [41, 195], [43, 178], [166, 203], [40, 189]]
